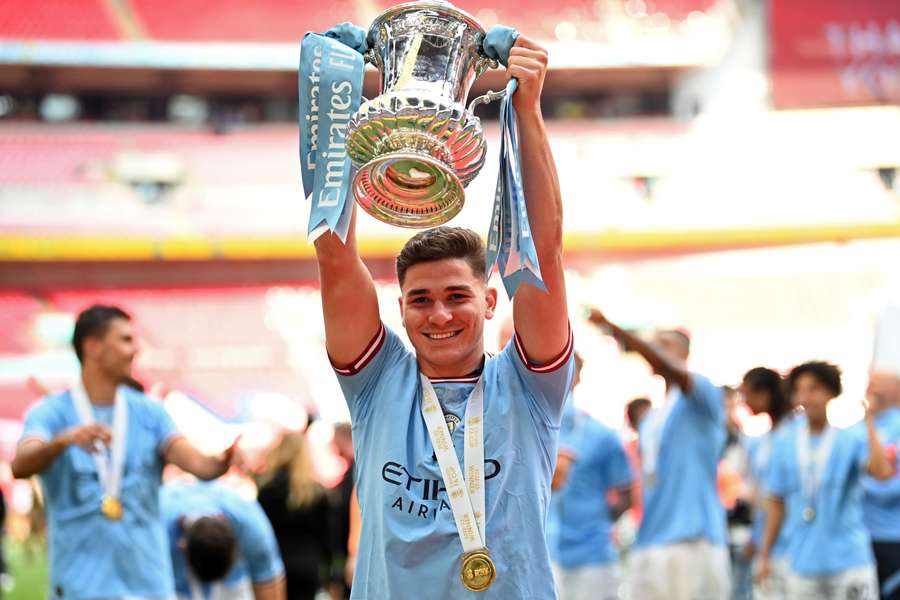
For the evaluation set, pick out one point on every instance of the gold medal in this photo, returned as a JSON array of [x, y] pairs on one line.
[[478, 571], [111, 507]]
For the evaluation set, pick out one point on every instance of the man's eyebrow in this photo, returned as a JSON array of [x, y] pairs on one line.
[[417, 292], [458, 288]]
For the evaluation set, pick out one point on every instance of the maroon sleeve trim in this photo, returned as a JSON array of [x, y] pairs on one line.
[[551, 365], [367, 355]]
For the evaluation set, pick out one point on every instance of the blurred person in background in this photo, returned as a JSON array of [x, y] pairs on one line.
[[222, 546], [298, 508], [735, 494], [590, 492], [881, 501], [680, 552], [342, 497], [765, 392], [99, 450], [815, 489], [635, 411]]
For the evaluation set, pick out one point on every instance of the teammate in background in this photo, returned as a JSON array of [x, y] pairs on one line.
[[765, 392], [590, 493], [425, 534], [881, 500], [815, 489], [680, 551], [99, 450], [635, 411], [222, 546]]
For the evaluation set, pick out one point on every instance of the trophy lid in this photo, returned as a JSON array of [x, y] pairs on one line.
[[439, 6]]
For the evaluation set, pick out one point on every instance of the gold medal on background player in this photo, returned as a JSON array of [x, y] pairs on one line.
[[478, 571], [111, 507]]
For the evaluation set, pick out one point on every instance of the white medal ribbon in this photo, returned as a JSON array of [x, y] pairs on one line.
[[216, 590], [466, 493], [111, 468], [812, 464], [651, 434]]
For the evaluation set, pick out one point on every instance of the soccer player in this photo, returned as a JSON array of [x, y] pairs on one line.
[[222, 545], [99, 449], [881, 501], [815, 489], [589, 494], [765, 392], [680, 551], [424, 531]]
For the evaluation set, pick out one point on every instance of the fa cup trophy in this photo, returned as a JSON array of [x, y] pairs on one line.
[[417, 145]]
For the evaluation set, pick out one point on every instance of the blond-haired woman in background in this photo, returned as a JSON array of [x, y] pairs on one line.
[[298, 509]]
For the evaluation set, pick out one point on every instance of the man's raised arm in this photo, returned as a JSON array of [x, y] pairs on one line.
[[541, 319], [349, 303]]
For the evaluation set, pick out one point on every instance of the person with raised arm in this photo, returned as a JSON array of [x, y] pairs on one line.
[[455, 449], [680, 552]]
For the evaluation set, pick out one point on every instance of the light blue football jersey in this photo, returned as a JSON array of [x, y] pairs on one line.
[[258, 557], [836, 539], [409, 545], [682, 504]]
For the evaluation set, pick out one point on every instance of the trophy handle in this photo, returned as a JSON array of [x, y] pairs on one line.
[[486, 99]]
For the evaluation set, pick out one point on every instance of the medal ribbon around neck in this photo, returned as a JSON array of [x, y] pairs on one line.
[[812, 464], [652, 436], [109, 468], [466, 493]]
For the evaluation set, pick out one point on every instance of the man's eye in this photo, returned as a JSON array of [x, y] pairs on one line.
[[419, 300], [458, 297]]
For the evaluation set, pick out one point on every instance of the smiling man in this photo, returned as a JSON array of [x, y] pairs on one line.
[[431, 527]]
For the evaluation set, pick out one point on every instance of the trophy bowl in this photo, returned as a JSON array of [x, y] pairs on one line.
[[417, 145]]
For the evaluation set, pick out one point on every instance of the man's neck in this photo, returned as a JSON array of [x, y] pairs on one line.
[[817, 426], [461, 369], [101, 391]]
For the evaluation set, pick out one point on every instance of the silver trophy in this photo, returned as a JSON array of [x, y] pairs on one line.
[[417, 145]]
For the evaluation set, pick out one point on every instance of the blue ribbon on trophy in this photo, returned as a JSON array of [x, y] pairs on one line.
[[411, 184], [331, 79]]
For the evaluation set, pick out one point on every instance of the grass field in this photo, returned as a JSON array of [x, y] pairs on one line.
[[29, 572]]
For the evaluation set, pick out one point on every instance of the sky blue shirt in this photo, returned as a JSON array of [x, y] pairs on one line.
[[759, 453], [881, 501], [409, 544], [91, 556], [684, 504], [580, 529], [836, 539], [258, 559]]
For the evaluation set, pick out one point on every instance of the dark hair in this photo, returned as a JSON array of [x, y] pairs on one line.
[[826, 373], [633, 408], [211, 548], [93, 322], [441, 243], [761, 379], [683, 337]]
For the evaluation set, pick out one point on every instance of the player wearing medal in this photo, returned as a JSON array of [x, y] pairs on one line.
[[424, 531], [99, 450], [222, 545], [815, 487], [680, 551]]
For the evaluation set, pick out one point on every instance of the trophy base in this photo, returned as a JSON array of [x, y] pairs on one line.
[[408, 190]]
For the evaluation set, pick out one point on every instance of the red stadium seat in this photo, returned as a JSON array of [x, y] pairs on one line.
[[57, 20]]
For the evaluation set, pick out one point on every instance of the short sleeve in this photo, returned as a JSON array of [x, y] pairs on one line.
[[359, 379], [617, 471], [163, 427], [706, 396], [42, 421], [550, 381], [258, 545]]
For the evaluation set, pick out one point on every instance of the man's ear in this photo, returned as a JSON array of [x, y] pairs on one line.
[[490, 297], [90, 346]]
